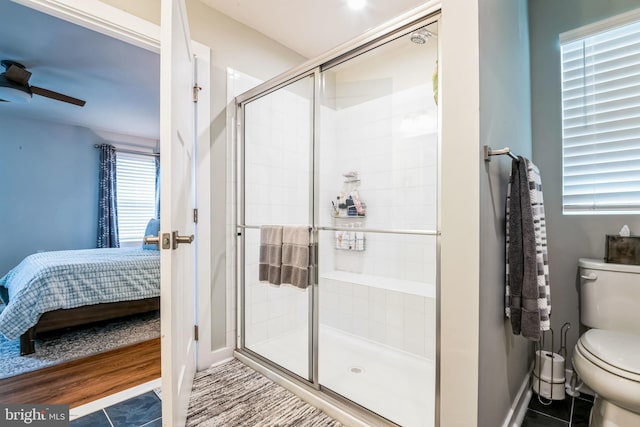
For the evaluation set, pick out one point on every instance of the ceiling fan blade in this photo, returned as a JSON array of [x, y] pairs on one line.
[[18, 75], [57, 96]]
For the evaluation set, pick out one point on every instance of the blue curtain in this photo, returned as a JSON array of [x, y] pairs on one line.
[[107, 208], [158, 187]]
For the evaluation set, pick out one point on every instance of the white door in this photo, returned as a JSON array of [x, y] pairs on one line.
[[176, 212]]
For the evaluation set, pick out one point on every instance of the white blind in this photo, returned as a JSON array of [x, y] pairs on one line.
[[601, 122], [136, 189]]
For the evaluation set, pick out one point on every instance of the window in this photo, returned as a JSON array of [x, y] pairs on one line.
[[601, 117], [136, 195]]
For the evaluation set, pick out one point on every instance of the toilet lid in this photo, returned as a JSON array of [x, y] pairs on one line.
[[618, 349]]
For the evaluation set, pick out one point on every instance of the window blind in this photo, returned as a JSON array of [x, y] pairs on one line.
[[601, 121], [136, 188]]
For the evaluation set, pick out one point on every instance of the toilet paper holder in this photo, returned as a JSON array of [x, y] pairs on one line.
[[549, 368]]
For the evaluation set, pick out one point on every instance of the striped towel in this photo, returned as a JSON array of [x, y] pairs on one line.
[[527, 301], [542, 258]]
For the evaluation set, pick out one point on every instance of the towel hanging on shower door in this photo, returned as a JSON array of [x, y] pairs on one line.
[[270, 254]]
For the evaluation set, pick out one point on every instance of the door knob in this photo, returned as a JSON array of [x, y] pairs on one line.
[[151, 240], [180, 239]]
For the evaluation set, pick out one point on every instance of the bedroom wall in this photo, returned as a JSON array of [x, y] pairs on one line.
[[48, 188], [570, 237]]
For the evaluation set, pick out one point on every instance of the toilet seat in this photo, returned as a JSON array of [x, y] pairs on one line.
[[606, 362], [615, 352]]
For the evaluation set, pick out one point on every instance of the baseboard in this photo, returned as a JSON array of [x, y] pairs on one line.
[[215, 357], [520, 404], [223, 361]]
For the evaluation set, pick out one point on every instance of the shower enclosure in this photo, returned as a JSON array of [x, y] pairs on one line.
[[348, 147]]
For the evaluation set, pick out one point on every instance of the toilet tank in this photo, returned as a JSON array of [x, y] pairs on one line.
[[609, 295]]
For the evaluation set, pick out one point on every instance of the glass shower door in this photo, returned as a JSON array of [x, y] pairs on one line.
[[378, 229], [277, 179]]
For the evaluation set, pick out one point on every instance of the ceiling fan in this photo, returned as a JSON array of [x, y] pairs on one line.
[[14, 86]]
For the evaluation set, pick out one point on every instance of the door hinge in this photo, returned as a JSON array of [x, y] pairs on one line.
[[196, 89], [195, 215], [195, 332]]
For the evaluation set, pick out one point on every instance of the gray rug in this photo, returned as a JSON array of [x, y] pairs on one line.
[[232, 394], [77, 343]]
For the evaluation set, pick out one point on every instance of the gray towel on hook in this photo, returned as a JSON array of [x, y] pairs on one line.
[[521, 267], [295, 256], [270, 254]]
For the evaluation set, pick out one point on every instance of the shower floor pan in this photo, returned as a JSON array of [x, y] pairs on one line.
[[394, 384]]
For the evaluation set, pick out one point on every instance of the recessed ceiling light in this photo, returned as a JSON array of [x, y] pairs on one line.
[[356, 4]]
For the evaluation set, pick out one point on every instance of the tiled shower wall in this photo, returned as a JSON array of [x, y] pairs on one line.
[[396, 319], [392, 142], [391, 139]]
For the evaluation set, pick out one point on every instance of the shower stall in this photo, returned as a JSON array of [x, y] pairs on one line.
[[348, 147]]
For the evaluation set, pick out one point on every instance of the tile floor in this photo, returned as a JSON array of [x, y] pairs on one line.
[[570, 412], [144, 410]]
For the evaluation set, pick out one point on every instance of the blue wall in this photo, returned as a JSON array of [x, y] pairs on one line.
[[48, 188]]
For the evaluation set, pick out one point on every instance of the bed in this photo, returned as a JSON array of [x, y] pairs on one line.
[[55, 290]]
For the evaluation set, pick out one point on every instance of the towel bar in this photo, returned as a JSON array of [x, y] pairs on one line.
[[364, 230], [488, 152]]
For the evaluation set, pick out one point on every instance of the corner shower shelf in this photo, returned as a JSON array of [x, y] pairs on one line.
[[412, 287]]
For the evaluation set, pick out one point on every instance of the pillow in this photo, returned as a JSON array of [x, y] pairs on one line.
[[153, 228]]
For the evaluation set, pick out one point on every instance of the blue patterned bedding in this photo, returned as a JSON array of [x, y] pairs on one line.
[[50, 281]]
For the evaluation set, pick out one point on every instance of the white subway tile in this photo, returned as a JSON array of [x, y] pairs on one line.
[[395, 316], [377, 331], [394, 337]]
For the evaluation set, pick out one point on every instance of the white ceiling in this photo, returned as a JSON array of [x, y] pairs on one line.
[[312, 27], [120, 82]]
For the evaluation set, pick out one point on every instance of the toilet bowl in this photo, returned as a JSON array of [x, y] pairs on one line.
[[607, 356], [609, 363]]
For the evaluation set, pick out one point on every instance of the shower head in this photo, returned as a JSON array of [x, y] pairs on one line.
[[421, 36]]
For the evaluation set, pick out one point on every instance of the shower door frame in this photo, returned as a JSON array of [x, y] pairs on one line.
[[401, 26], [241, 226]]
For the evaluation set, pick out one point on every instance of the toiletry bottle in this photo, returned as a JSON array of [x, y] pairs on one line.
[[356, 201]]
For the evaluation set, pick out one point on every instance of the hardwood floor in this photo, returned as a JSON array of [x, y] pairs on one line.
[[84, 380]]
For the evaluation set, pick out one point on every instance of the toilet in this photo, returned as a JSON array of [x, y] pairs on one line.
[[607, 356]]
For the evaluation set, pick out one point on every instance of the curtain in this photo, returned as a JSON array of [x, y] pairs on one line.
[[107, 208], [158, 187]]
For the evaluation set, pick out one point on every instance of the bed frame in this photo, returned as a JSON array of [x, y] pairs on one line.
[[65, 318]]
